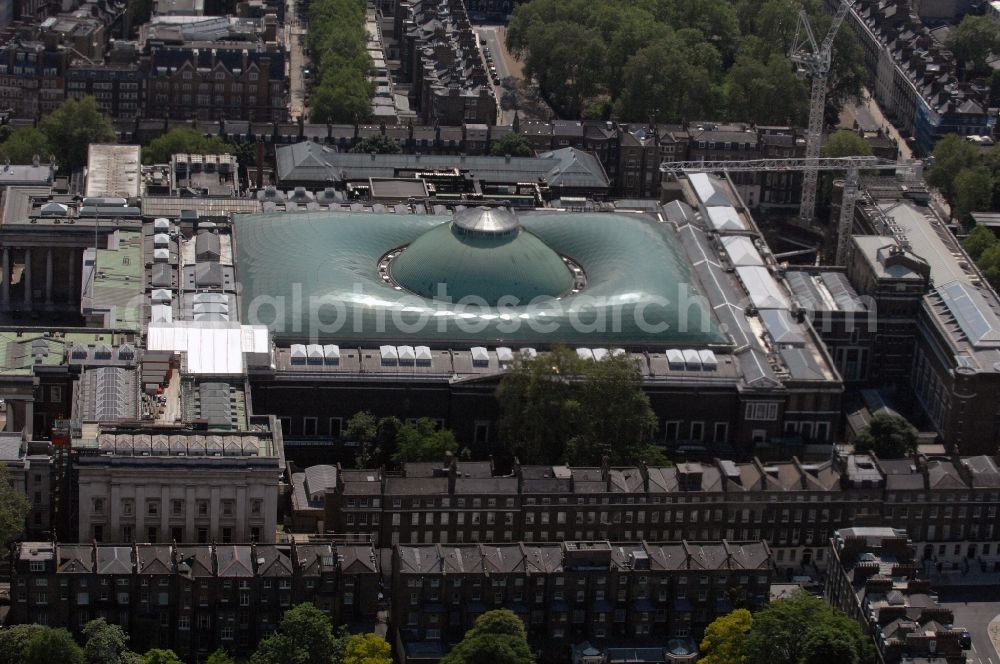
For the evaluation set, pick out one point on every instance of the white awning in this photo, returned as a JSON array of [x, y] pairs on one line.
[[741, 250], [725, 218], [423, 354], [585, 353], [480, 356], [389, 355], [763, 289], [675, 359], [211, 347]]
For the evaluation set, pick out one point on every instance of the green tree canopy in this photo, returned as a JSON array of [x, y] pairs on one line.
[[73, 127], [559, 408], [978, 241], [972, 41], [339, 41], [725, 638], [423, 441], [846, 143], [105, 643], [783, 633], [52, 646], [14, 642], [379, 144], [494, 639], [973, 193], [183, 140], [23, 145], [889, 436], [13, 510], [220, 656], [304, 636], [514, 145], [161, 656], [367, 649], [676, 59], [952, 153]]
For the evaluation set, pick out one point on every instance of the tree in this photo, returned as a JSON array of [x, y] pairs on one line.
[[781, 632], [952, 153], [304, 636], [73, 127], [618, 420], [367, 649], [766, 91], [494, 639], [105, 644], [13, 510], [23, 145], [824, 645], [379, 144], [514, 145], [161, 656], [220, 656], [972, 41], [183, 140], [539, 406], [978, 241], [973, 193], [889, 436], [558, 408], [51, 646], [725, 638], [845, 143], [14, 642], [423, 441]]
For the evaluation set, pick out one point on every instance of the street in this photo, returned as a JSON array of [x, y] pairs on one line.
[[869, 116], [295, 35], [974, 608], [492, 36]]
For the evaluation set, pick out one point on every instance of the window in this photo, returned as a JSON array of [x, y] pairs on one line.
[[721, 432], [227, 508], [151, 534], [98, 506], [176, 507], [255, 507], [336, 426], [309, 426], [55, 394], [762, 411], [202, 508], [697, 431], [672, 428], [152, 507], [202, 535], [37, 566], [128, 506], [286, 425]]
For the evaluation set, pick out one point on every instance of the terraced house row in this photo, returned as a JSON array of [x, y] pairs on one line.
[[947, 505], [192, 598], [423, 597]]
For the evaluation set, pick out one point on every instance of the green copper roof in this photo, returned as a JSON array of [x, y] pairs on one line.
[[315, 276], [448, 261]]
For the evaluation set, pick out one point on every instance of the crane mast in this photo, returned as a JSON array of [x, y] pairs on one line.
[[813, 60]]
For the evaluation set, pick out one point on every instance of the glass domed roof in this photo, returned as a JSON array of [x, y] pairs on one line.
[[483, 253]]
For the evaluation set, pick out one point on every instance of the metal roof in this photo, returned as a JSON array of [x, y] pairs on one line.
[[970, 310]]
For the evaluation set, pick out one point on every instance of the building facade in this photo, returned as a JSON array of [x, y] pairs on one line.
[[193, 599], [572, 591], [166, 485], [948, 506]]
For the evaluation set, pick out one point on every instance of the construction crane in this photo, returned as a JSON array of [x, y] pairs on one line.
[[851, 165], [813, 60]]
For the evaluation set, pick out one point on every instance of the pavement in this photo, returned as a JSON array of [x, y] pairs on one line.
[[295, 35], [975, 607]]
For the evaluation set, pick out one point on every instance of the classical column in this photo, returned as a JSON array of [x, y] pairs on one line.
[[74, 269], [5, 293], [26, 277], [48, 276]]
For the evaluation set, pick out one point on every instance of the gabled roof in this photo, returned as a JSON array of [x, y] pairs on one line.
[[234, 561], [114, 560]]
